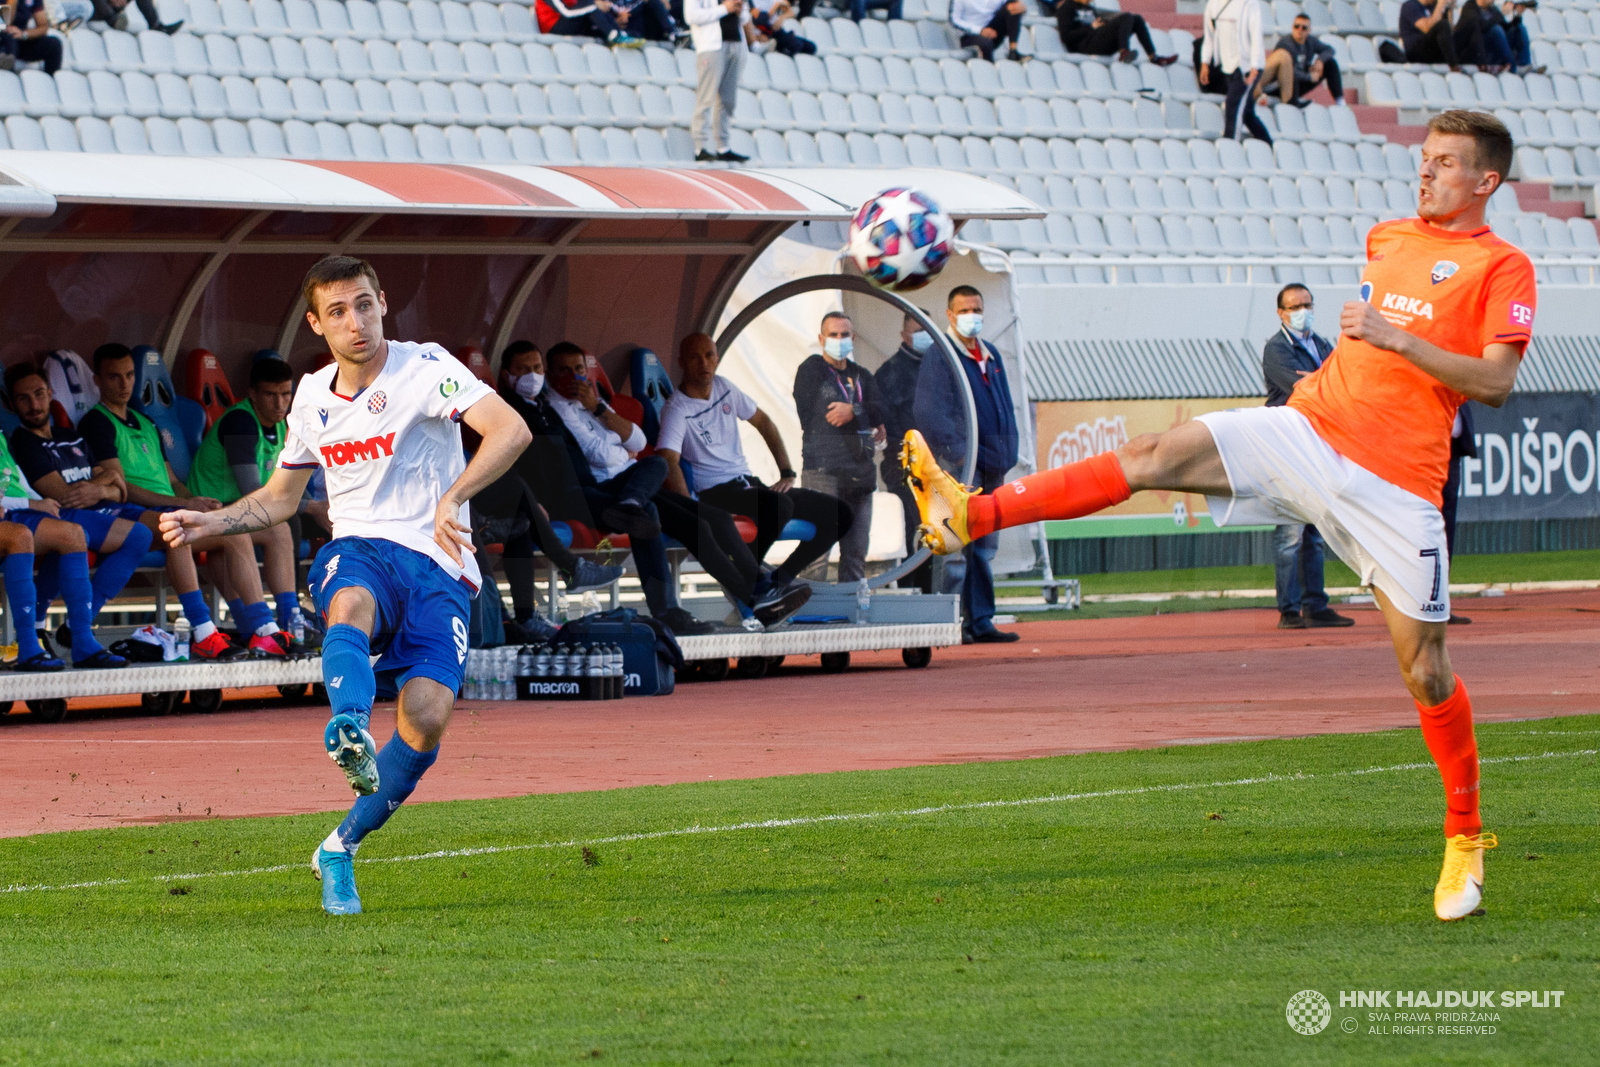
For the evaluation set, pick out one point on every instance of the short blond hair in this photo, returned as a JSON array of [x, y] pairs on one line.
[[1494, 146]]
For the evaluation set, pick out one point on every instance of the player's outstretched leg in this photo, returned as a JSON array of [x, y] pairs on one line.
[[953, 515], [347, 676], [424, 709]]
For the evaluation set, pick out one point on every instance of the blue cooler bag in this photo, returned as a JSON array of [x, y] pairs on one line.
[[650, 654]]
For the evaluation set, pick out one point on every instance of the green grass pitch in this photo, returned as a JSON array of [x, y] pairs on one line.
[[1167, 917]]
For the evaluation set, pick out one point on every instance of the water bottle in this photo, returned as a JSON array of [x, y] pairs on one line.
[[180, 635], [558, 661], [576, 657], [469, 678], [541, 661], [524, 669], [617, 672], [594, 669], [297, 626], [508, 688], [863, 602]]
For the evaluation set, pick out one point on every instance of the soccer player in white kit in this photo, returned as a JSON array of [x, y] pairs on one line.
[[382, 422]]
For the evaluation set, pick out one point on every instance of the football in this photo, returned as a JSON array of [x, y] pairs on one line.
[[900, 239]]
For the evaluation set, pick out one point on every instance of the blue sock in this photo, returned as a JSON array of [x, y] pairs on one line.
[[254, 617], [194, 608], [347, 672], [46, 584], [236, 610], [18, 570], [286, 602], [78, 592], [115, 569], [400, 768]]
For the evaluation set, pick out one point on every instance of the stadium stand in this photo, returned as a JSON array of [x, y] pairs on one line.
[[1126, 157]]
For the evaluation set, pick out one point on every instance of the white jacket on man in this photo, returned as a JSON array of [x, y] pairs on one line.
[[704, 18], [1233, 35]]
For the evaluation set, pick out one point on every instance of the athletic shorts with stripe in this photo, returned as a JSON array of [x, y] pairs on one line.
[[1281, 472]]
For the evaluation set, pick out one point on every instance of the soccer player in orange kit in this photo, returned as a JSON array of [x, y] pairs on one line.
[[1361, 449]]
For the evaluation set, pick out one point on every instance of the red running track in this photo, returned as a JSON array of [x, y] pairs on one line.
[[1075, 686]]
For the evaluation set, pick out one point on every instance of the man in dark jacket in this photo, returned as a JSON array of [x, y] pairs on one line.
[[1300, 62], [1463, 443], [840, 426], [1089, 32], [1289, 355], [897, 393], [556, 470], [941, 416]]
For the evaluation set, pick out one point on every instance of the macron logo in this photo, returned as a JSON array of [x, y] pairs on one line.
[[1407, 304], [350, 451]]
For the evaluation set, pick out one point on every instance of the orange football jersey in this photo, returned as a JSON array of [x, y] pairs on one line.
[[1459, 291]]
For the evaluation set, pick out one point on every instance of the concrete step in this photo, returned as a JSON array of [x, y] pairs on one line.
[[1535, 196], [1195, 24]]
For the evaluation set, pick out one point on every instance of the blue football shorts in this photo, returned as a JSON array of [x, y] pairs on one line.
[[96, 522], [421, 624]]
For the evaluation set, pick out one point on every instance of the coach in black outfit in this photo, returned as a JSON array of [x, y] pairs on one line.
[[1289, 355]]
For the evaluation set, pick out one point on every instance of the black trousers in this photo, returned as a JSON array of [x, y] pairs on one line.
[[596, 23], [36, 49], [711, 537], [772, 511], [104, 12], [1113, 35], [1242, 105], [506, 510], [1007, 27], [1438, 46], [650, 20]]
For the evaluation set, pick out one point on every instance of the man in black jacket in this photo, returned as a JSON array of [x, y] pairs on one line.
[[1089, 32], [897, 395], [1300, 62], [1289, 355], [840, 425]]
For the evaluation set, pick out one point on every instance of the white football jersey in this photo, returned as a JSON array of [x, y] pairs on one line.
[[390, 451]]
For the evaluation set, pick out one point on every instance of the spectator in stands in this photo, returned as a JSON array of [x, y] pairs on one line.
[[716, 28], [941, 416], [60, 467], [236, 457], [597, 18], [127, 443], [983, 24], [27, 37], [647, 20], [112, 13], [897, 396], [767, 21], [1232, 41], [700, 427], [1298, 64], [1425, 32], [840, 425], [1289, 355], [1487, 39], [1089, 32]]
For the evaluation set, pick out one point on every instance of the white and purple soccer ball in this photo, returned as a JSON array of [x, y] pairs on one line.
[[900, 239]]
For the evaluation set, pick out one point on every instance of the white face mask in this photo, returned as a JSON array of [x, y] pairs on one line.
[[969, 324], [1300, 320], [528, 385], [838, 347], [921, 341]]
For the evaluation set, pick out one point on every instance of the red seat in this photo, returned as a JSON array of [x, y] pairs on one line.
[[584, 537], [746, 528], [206, 385]]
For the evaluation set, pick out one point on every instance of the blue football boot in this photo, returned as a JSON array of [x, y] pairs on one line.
[[352, 748], [336, 872]]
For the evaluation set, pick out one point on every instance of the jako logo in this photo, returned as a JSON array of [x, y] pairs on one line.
[[1410, 305], [350, 451]]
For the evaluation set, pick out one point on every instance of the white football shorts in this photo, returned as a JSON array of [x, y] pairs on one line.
[[1281, 473]]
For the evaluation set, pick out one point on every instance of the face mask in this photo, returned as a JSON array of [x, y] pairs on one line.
[[528, 385], [838, 347], [1300, 320], [921, 341], [970, 324]]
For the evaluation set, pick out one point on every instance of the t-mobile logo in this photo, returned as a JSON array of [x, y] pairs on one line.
[[1521, 314]]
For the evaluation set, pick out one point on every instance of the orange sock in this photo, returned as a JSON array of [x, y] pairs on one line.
[[1069, 492], [1447, 730]]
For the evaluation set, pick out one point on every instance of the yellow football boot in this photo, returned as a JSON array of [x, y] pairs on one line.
[[1460, 888], [941, 500]]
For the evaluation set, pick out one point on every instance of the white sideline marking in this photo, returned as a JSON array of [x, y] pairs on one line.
[[801, 820]]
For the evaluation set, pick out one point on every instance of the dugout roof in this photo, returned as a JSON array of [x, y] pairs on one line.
[[187, 253]]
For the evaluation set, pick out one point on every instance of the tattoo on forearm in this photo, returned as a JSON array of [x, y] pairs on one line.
[[247, 516]]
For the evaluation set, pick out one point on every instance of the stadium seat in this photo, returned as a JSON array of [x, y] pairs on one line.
[[181, 421]]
